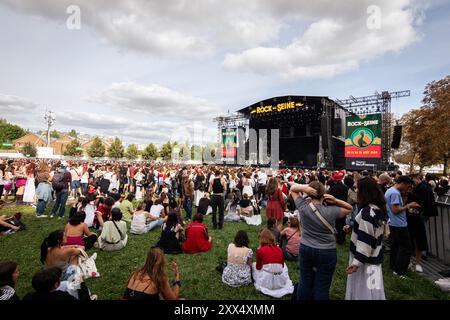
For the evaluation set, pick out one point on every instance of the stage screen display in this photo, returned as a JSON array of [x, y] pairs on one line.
[[229, 142], [363, 142]]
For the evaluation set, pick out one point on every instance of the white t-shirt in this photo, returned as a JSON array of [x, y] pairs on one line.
[[156, 210]]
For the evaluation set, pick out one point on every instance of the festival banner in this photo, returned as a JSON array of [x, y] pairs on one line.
[[363, 141], [229, 142]]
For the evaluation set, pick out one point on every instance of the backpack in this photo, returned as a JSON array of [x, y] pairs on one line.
[[58, 182]]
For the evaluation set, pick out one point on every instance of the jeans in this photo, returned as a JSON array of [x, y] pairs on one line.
[[154, 224], [316, 273], [187, 206], [217, 202], [40, 207], [400, 249], [84, 187], [61, 199]]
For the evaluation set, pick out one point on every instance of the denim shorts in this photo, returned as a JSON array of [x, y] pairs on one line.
[[75, 184]]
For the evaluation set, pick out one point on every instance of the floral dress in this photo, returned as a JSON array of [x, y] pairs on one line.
[[237, 273]]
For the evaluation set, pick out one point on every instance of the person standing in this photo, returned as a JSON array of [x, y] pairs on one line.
[[416, 218], [217, 189], [60, 184], [365, 276], [340, 192], [30, 187], [398, 225], [188, 196], [318, 254], [276, 206]]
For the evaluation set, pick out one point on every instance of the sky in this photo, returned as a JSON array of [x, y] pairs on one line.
[[149, 71]]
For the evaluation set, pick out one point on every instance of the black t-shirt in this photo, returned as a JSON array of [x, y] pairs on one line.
[[203, 205]]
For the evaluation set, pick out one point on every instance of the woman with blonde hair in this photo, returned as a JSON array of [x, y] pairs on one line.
[[151, 281]]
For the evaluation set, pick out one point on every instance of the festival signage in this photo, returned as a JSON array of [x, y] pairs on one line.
[[229, 142], [363, 141], [276, 108]]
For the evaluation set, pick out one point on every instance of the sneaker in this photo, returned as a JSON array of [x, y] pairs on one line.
[[419, 268], [52, 216], [41, 216], [402, 277], [94, 297], [59, 218]]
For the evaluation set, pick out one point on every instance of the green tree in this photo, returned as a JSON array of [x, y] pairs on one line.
[[97, 149], [54, 134], [29, 150], [132, 152], [196, 152], [150, 152], [10, 132], [116, 150], [73, 149], [73, 133], [166, 151], [436, 106]]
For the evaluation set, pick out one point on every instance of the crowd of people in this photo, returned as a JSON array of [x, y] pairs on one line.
[[308, 214]]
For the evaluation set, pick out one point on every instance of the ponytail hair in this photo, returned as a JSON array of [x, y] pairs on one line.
[[53, 240]]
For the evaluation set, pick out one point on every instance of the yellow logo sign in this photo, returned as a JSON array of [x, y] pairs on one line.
[[277, 108]]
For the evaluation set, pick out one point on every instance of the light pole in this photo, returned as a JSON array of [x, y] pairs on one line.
[[50, 120]]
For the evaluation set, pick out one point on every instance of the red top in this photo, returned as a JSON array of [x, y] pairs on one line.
[[196, 238], [105, 212], [131, 172], [270, 253]]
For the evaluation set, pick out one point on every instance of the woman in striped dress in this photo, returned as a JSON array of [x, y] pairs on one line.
[[365, 276]]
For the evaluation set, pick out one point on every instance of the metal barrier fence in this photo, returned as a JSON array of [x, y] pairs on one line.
[[438, 230]]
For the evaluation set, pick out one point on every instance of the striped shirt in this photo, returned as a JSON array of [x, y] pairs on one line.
[[367, 236]]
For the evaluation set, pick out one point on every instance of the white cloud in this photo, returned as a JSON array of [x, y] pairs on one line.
[[10, 104], [332, 44], [295, 39], [156, 100]]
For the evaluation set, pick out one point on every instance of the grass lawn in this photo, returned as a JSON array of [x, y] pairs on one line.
[[200, 278]]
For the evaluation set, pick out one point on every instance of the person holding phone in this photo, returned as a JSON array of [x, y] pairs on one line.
[[398, 225]]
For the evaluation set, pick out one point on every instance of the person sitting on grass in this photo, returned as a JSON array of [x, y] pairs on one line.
[[77, 233], [238, 271], [291, 239], [139, 220], [270, 272], [204, 204], [245, 207], [273, 227], [9, 272], [53, 254], [197, 238], [151, 281], [46, 284], [105, 210], [157, 215], [231, 209], [114, 232], [170, 241], [127, 208]]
